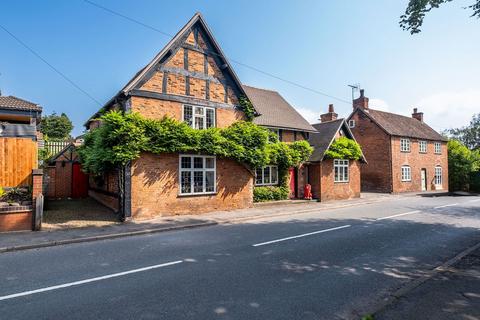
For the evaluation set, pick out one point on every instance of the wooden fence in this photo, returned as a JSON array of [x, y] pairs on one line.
[[55, 147], [18, 156]]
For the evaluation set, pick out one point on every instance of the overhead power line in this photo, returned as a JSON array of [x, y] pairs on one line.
[[234, 61], [36, 54]]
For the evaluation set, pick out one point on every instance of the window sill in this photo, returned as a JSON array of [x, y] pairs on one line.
[[341, 181], [403, 151], [406, 180], [184, 195]]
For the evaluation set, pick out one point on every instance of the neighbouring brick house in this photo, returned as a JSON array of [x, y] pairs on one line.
[[404, 154], [279, 116], [332, 179], [192, 81]]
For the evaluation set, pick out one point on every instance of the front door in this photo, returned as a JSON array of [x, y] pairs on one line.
[[293, 183], [79, 182], [424, 179]]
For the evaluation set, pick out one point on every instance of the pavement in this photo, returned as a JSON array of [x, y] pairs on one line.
[[318, 264], [14, 241], [451, 293]]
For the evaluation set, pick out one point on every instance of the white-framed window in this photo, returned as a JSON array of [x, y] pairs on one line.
[[340, 170], [351, 123], [197, 174], [422, 146], [438, 147], [198, 117], [406, 173], [266, 176], [438, 180], [405, 145]]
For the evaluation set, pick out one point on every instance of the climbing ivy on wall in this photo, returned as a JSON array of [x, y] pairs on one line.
[[344, 148], [247, 108], [122, 137]]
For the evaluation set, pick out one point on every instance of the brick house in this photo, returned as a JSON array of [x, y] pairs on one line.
[[404, 154], [276, 114], [332, 179], [189, 80]]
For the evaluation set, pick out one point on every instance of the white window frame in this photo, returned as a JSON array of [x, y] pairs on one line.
[[263, 183], [406, 172], [405, 145], [203, 117], [438, 178], [424, 144], [351, 123], [192, 171], [437, 147], [342, 167]]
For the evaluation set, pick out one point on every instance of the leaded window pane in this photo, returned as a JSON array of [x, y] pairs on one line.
[[210, 118], [198, 163], [198, 181], [266, 175], [187, 114], [209, 181], [186, 162], [186, 181], [209, 163]]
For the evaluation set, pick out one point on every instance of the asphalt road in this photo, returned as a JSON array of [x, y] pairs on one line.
[[333, 264]]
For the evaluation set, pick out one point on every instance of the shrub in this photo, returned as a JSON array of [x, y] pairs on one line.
[[270, 193]]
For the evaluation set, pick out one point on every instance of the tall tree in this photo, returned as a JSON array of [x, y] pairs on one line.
[[412, 20], [468, 135], [56, 127]]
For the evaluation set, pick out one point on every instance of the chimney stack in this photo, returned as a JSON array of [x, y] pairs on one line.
[[417, 115], [361, 102], [330, 115]]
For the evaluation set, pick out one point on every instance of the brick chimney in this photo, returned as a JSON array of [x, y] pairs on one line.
[[330, 115], [362, 101], [417, 115]]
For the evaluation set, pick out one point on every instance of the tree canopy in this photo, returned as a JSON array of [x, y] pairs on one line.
[[412, 19], [468, 135], [463, 167], [56, 127]]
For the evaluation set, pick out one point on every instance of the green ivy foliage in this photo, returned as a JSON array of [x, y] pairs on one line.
[[344, 148], [270, 193], [122, 137], [463, 167], [247, 108]]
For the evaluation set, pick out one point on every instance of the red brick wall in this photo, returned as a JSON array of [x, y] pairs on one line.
[[107, 200], [375, 143], [324, 188], [16, 221], [155, 188], [49, 176], [331, 190], [417, 161]]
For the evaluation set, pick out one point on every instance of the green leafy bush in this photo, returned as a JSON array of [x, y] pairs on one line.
[[122, 137], [463, 167], [344, 148], [270, 193]]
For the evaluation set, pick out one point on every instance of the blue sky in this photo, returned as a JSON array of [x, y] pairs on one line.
[[325, 45]]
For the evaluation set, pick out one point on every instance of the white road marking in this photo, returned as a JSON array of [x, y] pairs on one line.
[[398, 215], [76, 283], [300, 236], [446, 205]]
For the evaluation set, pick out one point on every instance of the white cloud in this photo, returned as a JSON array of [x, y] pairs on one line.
[[310, 115], [450, 109], [379, 104]]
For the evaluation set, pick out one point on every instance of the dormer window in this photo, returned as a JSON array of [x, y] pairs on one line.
[[199, 117], [351, 123]]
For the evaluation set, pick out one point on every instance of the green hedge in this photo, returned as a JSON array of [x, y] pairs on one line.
[[270, 193]]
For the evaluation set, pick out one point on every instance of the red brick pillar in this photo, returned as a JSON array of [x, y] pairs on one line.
[[37, 186]]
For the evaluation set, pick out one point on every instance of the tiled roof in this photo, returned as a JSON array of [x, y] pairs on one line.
[[321, 140], [275, 111], [398, 125], [14, 103]]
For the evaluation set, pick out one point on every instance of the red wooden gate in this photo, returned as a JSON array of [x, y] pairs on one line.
[[79, 182]]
